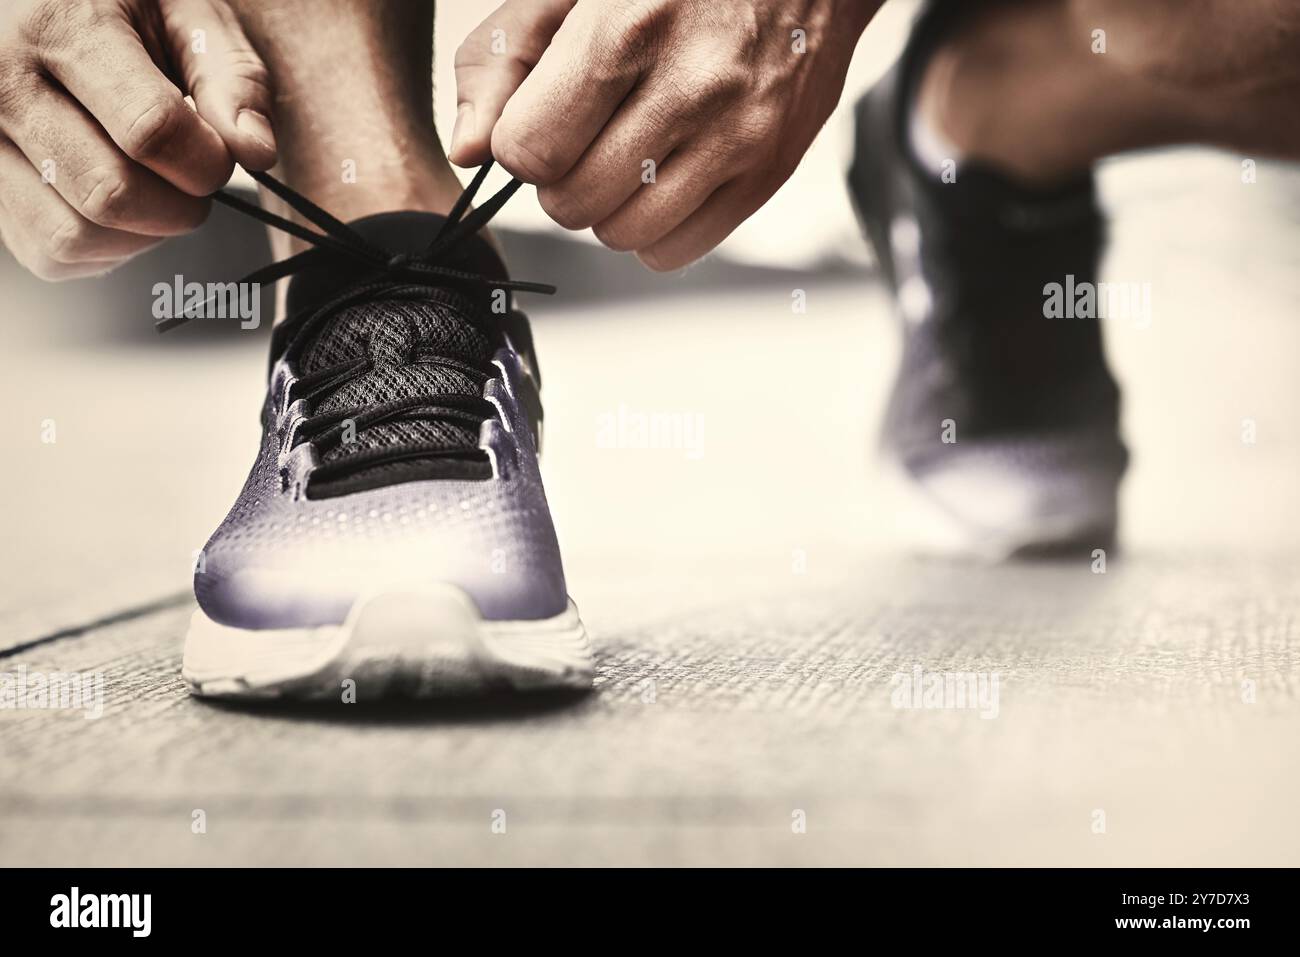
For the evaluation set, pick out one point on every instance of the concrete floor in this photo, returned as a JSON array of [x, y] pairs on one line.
[[750, 604]]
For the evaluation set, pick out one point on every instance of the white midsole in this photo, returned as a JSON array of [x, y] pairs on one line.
[[405, 630]]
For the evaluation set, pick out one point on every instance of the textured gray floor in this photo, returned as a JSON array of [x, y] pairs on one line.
[[750, 605], [710, 729]]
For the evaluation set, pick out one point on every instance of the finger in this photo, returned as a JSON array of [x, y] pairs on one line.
[[491, 63], [106, 68], [715, 219], [684, 183], [47, 235], [627, 159], [75, 157], [226, 77], [565, 101]]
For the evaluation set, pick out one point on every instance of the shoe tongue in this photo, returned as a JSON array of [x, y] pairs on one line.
[[406, 233], [398, 331], [402, 338]]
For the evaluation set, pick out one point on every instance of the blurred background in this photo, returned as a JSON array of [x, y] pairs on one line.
[[763, 583]]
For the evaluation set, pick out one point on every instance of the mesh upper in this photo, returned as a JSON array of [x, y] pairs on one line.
[[286, 558], [403, 339]]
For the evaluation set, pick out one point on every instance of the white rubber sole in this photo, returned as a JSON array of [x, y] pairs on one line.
[[426, 643], [929, 528]]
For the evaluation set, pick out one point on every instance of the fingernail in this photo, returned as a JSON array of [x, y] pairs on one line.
[[464, 128], [254, 124]]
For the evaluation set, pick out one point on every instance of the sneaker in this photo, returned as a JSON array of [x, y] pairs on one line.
[[1005, 423], [393, 537]]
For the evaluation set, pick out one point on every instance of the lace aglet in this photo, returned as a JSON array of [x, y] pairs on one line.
[[542, 288], [171, 322], [193, 312]]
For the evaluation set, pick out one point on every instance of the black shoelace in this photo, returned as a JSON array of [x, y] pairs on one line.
[[394, 275]]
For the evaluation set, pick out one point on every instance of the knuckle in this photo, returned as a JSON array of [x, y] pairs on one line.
[[616, 236], [463, 56], [631, 29], [155, 126], [470, 51], [526, 155], [565, 206], [706, 91], [50, 24], [478, 41], [247, 68], [656, 261], [621, 45], [105, 196], [66, 242], [604, 74]]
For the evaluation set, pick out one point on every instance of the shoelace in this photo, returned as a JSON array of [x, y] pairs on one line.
[[340, 239], [396, 275]]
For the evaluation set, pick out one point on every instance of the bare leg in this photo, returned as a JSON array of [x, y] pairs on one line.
[[1025, 85], [353, 112]]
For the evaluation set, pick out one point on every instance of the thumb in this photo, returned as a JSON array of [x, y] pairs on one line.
[[490, 65], [225, 76]]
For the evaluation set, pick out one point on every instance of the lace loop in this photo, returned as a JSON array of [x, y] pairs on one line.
[[422, 272], [342, 240]]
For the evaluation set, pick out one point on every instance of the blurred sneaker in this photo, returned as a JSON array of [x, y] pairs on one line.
[[394, 532], [1005, 423]]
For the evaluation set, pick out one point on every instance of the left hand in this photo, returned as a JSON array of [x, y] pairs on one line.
[[661, 124]]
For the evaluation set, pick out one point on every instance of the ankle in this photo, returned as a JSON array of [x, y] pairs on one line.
[[352, 194], [1019, 88], [357, 183], [990, 92]]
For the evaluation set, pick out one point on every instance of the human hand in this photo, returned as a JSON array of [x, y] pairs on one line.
[[100, 155], [661, 124]]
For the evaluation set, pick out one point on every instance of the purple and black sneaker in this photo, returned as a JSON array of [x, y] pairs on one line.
[[394, 531], [1004, 423]]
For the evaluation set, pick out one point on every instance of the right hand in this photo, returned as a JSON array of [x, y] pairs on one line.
[[101, 157]]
